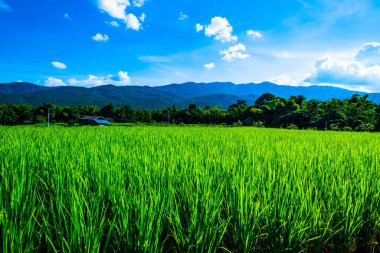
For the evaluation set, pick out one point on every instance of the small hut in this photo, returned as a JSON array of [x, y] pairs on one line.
[[94, 121]]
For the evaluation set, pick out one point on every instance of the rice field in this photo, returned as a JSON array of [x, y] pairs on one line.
[[188, 189]]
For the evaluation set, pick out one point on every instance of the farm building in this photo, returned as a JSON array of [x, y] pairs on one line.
[[93, 120]]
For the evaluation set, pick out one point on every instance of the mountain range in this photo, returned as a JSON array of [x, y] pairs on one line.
[[220, 94]]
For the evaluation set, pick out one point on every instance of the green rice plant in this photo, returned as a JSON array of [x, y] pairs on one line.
[[188, 189]]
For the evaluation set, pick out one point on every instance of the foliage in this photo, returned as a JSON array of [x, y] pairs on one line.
[[356, 113]]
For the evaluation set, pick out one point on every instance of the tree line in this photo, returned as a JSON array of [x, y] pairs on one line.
[[354, 114]]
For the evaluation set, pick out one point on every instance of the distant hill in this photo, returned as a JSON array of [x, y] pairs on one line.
[[374, 97], [220, 100], [21, 88], [191, 90], [220, 94], [136, 96]]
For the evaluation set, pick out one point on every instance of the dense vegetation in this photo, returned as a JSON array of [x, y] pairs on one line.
[[356, 113], [188, 189]]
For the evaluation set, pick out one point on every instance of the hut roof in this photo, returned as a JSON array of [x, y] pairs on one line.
[[101, 121], [93, 118]]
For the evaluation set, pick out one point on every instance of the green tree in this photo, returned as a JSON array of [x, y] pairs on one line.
[[264, 99], [108, 111]]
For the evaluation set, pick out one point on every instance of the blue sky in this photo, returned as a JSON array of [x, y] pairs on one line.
[[150, 42]]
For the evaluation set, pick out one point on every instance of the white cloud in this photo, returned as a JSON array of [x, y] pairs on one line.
[[121, 79], [183, 16], [289, 79], [283, 79], [113, 23], [199, 27], [254, 34], [142, 17], [369, 54], [67, 16], [4, 5], [220, 29], [54, 82], [100, 37], [133, 22], [283, 54], [58, 65], [138, 3], [117, 9], [124, 77], [235, 52], [209, 66], [351, 73], [156, 59]]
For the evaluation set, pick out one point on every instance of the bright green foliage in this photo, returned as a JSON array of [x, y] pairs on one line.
[[188, 189]]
